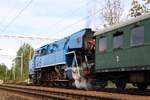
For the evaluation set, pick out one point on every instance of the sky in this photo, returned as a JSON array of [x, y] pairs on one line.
[[52, 19]]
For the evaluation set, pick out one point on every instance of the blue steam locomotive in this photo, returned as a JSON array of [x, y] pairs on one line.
[[64, 62]]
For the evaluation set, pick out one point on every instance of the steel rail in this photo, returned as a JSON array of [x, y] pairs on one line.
[[68, 94]]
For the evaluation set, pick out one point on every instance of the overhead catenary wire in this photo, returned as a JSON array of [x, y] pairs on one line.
[[72, 12], [8, 56], [78, 21], [19, 13], [26, 37]]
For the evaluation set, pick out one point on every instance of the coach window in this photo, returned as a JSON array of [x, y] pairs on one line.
[[137, 36], [102, 44], [118, 40]]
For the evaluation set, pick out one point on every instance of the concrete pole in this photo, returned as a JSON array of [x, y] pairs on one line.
[[14, 70], [21, 65]]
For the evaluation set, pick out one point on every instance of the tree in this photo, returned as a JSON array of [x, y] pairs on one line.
[[9, 74], [137, 9], [3, 69], [112, 11], [24, 53]]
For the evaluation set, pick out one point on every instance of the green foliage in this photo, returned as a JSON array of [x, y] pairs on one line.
[[2, 71], [5, 74], [24, 53], [137, 9], [9, 74]]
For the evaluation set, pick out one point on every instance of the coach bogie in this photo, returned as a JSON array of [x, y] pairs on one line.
[[120, 84], [142, 86]]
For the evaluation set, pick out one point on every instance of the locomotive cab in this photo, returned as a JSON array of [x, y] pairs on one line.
[[80, 57]]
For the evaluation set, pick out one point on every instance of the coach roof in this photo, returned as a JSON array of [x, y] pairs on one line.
[[122, 24]]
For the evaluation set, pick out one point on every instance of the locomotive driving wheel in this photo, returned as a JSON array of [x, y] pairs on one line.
[[53, 76]]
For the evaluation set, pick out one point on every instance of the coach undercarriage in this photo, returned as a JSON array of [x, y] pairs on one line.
[[140, 79]]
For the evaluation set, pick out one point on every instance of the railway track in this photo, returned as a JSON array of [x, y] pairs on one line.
[[47, 93]]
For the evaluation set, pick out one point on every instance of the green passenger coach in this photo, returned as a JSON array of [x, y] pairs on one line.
[[123, 53]]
